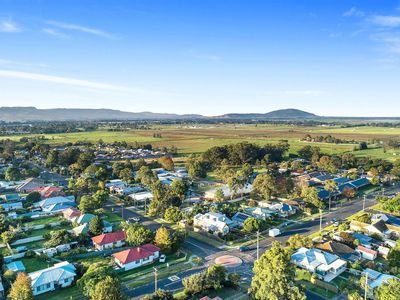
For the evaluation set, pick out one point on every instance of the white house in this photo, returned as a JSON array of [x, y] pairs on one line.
[[60, 275], [227, 192], [109, 240], [327, 266], [212, 221], [137, 257], [141, 196], [367, 253]]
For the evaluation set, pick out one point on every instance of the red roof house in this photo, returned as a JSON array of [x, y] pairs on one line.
[[50, 191], [70, 213], [109, 240], [136, 257], [367, 253]]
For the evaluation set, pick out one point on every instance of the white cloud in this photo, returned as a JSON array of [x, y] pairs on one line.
[[75, 27], [9, 26], [21, 63], [353, 12], [92, 85], [203, 56], [56, 33], [386, 21]]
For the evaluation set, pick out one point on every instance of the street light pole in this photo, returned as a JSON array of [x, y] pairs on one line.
[[122, 214], [258, 244], [320, 219], [155, 280]]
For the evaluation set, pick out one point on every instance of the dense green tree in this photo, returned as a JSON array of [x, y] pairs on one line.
[[264, 186], [166, 162], [163, 239], [93, 275], [173, 214], [297, 241], [12, 174], [58, 237], [96, 226], [108, 288], [160, 295], [252, 225], [137, 234], [146, 176], [274, 276], [389, 290], [196, 168]]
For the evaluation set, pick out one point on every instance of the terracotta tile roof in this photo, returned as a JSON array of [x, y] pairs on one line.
[[109, 238], [134, 254]]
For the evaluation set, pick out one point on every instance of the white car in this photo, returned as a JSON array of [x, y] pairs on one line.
[[162, 258]]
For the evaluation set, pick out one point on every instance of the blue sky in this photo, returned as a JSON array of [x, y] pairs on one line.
[[328, 57]]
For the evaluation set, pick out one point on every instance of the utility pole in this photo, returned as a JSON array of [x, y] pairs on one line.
[[122, 214], [320, 219], [366, 286], [155, 279], [258, 244], [365, 198]]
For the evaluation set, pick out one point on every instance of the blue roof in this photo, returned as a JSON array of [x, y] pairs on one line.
[[323, 177], [342, 187], [323, 194], [16, 266], [360, 182], [341, 180], [364, 239], [393, 220]]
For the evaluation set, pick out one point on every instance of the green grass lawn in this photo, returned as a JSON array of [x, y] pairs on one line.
[[34, 245], [70, 293], [43, 221], [205, 239], [112, 217], [33, 264]]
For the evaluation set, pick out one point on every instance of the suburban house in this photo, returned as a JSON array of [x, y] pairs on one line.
[[213, 222], [109, 240], [115, 185], [283, 209], [56, 204], [262, 213], [30, 185], [82, 219], [367, 253], [137, 257], [240, 218], [10, 197], [376, 279], [342, 250], [60, 275], [50, 191], [211, 194], [141, 196], [71, 213], [11, 206], [325, 265], [380, 228]]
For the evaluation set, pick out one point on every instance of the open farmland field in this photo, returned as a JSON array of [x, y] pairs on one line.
[[198, 138]]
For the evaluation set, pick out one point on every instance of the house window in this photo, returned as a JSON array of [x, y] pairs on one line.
[[38, 288], [66, 280], [48, 286]]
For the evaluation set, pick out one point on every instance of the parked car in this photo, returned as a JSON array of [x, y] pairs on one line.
[[162, 258], [134, 219], [247, 248]]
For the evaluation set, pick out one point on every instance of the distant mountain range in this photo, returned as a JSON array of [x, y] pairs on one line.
[[12, 114]]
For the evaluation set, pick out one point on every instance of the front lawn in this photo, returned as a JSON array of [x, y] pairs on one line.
[[70, 293], [112, 217], [43, 221]]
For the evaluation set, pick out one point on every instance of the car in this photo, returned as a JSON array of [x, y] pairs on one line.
[[162, 258], [134, 219], [246, 248]]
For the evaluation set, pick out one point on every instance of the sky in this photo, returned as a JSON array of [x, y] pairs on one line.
[[328, 57]]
